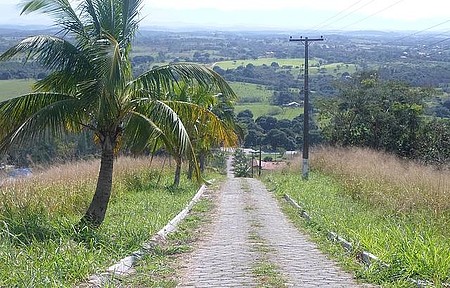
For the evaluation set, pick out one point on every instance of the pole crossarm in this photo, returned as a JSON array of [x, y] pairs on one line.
[[305, 41]]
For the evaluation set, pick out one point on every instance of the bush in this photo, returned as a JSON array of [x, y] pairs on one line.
[[241, 164], [268, 159]]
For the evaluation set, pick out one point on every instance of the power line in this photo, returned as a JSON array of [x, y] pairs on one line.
[[439, 42], [418, 32], [347, 14], [318, 26], [371, 15]]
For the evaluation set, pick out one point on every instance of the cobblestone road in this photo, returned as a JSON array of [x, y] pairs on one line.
[[249, 228]]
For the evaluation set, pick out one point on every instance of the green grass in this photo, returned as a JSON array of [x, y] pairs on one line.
[[39, 246], [268, 275], [160, 267], [270, 110], [13, 88], [256, 98], [414, 245], [251, 93]]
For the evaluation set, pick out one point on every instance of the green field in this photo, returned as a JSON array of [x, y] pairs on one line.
[[270, 110], [251, 93], [40, 245], [256, 98], [13, 88]]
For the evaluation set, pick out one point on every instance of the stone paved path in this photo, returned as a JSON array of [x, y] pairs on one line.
[[248, 228]]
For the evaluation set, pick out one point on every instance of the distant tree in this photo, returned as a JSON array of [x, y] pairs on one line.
[[267, 122], [370, 112], [247, 113], [281, 98], [253, 139], [434, 142], [276, 138]]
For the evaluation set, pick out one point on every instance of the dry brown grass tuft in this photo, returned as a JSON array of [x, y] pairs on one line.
[[385, 180], [66, 187]]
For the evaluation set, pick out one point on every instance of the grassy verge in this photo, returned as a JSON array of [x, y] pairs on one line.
[[160, 268], [39, 246], [359, 194]]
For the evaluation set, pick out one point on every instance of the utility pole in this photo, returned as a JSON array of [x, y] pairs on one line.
[[305, 167]]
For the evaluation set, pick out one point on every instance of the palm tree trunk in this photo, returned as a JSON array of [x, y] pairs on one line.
[[176, 181], [97, 209], [202, 160], [190, 170]]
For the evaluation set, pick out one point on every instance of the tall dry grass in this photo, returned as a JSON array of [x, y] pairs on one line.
[[385, 180], [67, 187]]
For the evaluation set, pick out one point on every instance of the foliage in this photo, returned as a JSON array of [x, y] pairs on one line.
[[241, 163], [217, 160], [434, 142], [376, 114], [268, 159], [65, 148], [273, 134], [208, 121]]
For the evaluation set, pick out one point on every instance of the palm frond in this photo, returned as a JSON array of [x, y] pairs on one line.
[[130, 20], [140, 132], [91, 8], [204, 125], [61, 10], [163, 79], [52, 52], [38, 115]]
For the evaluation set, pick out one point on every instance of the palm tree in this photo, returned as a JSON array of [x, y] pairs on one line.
[[91, 86], [199, 122], [194, 105]]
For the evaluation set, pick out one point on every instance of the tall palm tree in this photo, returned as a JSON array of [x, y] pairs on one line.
[[91, 86], [200, 115]]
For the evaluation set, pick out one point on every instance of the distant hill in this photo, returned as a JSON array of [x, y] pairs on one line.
[[18, 30]]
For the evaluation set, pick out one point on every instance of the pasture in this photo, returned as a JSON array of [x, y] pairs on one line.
[[251, 93], [13, 88], [259, 109]]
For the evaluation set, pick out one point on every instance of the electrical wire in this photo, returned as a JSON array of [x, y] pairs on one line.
[[348, 14], [371, 15], [418, 32], [323, 23]]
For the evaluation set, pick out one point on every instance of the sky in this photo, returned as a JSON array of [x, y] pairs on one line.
[[292, 15]]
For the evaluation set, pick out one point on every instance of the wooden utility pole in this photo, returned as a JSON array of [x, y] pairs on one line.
[[305, 166]]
